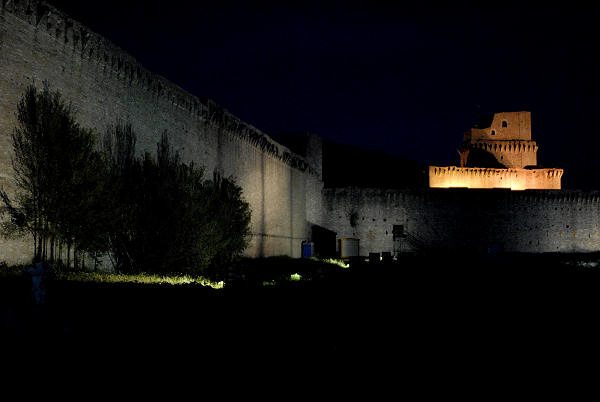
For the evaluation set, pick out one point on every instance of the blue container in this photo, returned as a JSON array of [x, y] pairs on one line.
[[307, 250]]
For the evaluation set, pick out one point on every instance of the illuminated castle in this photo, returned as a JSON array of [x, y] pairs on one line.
[[498, 153], [283, 184]]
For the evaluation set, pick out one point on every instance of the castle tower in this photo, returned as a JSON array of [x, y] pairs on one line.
[[498, 153], [506, 138]]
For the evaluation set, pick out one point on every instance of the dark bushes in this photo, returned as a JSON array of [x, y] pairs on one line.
[[166, 217]]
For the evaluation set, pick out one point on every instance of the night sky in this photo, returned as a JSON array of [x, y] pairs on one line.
[[404, 80]]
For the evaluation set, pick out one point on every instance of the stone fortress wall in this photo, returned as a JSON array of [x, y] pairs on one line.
[[39, 42], [284, 189], [466, 219]]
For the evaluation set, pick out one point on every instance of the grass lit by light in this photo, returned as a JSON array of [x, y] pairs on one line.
[[336, 261], [295, 277], [142, 278]]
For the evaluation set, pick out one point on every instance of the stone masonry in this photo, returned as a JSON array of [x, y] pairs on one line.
[[285, 189], [40, 43]]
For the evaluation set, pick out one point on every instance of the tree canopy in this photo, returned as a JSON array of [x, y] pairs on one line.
[[58, 176], [167, 217]]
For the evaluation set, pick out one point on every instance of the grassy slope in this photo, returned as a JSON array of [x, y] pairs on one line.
[[422, 307]]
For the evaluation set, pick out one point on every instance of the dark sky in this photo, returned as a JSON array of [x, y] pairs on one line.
[[405, 80]]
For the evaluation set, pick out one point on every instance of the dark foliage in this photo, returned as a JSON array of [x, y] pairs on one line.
[[165, 216], [152, 214], [58, 177]]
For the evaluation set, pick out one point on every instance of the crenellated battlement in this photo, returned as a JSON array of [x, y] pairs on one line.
[[514, 179], [91, 47], [516, 146], [530, 199], [489, 172], [539, 221]]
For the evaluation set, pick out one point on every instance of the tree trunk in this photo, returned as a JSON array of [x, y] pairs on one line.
[[39, 250], [75, 255], [52, 248], [68, 255]]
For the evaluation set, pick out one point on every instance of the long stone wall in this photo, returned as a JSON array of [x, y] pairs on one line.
[[461, 219], [104, 83], [284, 189]]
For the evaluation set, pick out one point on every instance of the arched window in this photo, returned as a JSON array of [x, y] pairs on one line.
[[493, 132], [504, 123]]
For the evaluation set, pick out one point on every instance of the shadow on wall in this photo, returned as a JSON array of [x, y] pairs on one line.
[[482, 159], [324, 241]]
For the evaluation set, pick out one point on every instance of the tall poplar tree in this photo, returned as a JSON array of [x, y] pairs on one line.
[[57, 174]]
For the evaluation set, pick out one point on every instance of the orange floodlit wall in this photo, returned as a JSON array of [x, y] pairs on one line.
[[504, 126], [514, 179]]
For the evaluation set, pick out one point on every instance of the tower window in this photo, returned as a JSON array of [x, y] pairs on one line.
[[493, 132], [504, 123]]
